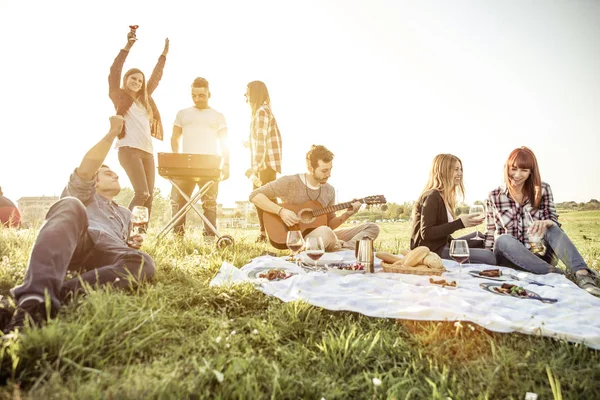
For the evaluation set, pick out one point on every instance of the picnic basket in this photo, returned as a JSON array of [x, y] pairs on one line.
[[418, 270]]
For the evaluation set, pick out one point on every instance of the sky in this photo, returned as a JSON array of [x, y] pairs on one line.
[[385, 85]]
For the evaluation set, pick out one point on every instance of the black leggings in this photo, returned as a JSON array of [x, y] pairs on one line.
[[139, 166]]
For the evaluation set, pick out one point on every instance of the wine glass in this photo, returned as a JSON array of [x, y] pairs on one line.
[[477, 209], [139, 219], [459, 251], [535, 240], [294, 242], [314, 248]]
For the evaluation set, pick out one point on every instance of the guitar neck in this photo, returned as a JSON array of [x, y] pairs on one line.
[[334, 208]]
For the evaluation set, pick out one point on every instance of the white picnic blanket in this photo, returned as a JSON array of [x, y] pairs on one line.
[[574, 317]]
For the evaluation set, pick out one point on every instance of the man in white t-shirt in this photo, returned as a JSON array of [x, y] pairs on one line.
[[202, 130]]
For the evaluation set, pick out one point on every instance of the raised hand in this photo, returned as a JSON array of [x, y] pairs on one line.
[[166, 49], [116, 125]]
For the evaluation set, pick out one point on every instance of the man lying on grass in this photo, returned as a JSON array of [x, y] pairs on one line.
[[86, 232]]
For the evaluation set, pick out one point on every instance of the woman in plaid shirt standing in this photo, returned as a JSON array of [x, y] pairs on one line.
[[265, 143], [523, 198]]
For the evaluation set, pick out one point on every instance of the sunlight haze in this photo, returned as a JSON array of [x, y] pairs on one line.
[[386, 85]]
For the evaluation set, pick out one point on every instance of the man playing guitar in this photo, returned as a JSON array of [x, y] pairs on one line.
[[313, 186]]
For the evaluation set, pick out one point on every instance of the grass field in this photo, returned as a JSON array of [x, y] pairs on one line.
[[178, 338]]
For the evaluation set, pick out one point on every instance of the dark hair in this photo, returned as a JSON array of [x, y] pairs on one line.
[[524, 158], [316, 153], [200, 83], [258, 94], [102, 166]]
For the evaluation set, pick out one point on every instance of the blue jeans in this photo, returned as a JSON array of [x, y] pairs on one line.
[[65, 243], [140, 169], [512, 253], [476, 256]]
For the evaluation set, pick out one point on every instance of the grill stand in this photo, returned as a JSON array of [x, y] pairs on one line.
[[222, 241]]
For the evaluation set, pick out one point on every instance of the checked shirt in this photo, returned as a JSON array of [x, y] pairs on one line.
[[265, 141], [504, 215]]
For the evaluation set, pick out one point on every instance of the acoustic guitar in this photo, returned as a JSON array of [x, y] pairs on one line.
[[312, 214]]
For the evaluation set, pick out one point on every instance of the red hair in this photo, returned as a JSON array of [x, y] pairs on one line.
[[524, 158]]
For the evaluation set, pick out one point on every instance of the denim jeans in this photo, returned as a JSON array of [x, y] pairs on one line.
[[266, 175], [209, 203], [140, 169], [476, 255], [513, 253], [65, 243]]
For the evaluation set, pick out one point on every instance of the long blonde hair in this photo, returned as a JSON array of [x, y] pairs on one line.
[[258, 95], [141, 97], [440, 179]]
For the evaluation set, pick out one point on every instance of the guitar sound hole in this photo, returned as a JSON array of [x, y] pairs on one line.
[[306, 216]]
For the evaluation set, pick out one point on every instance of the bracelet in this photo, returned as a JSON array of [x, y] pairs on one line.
[[279, 212]]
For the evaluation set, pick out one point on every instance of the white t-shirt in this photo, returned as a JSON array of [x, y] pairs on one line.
[[450, 218], [201, 130], [137, 129]]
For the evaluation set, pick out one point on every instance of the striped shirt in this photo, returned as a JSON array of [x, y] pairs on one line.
[[265, 141], [504, 215]]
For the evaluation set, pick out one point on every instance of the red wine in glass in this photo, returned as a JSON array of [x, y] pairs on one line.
[[459, 251], [314, 255], [460, 258], [295, 247]]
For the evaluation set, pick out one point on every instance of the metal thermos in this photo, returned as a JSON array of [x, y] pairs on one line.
[[364, 254]]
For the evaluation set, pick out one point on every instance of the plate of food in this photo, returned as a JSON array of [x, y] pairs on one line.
[[326, 258], [492, 274], [271, 274], [346, 268], [508, 289]]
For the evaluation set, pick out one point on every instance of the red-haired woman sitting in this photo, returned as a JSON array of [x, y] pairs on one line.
[[523, 228]]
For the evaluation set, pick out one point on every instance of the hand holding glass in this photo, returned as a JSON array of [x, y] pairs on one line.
[[459, 251], [294, 242], [535, 240], [477, 209], [139, 219], [314, 248]]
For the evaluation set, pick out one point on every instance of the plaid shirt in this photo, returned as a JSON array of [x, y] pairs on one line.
[[504, 215], [265, 141]]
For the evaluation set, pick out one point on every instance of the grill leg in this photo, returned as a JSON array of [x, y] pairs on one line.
[[191, 204]]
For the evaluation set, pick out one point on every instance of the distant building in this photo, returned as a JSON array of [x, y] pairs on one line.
[[33, 209], [244, 207], [42, 201], [232, 223]]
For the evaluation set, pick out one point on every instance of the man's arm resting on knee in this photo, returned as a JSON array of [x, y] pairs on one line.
[[94, 158]]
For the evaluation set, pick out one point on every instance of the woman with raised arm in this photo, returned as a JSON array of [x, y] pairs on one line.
[[521, 218], [434, 219], [265, 143], [132, 98]]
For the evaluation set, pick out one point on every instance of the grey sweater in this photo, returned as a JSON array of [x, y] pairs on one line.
[[291, 189]]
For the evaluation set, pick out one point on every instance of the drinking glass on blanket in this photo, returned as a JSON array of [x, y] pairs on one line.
[[294, 242], [459, 251], [314, 248], [139, 219]]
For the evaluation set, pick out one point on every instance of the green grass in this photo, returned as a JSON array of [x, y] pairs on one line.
[[178, 338]]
